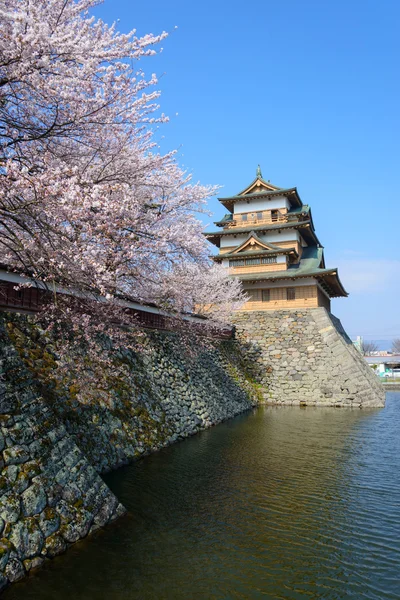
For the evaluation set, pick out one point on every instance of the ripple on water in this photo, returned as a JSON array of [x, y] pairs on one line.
[[278, 503]]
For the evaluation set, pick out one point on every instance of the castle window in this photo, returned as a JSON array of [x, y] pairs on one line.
[[237, 263], [267, 260], [291, 293], [266, 295], [254, 295], [274, 215], [244, 217], [259, 215]]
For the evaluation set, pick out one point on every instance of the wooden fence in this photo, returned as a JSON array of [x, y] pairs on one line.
[[30, 299]]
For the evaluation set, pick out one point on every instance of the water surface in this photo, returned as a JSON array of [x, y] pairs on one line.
[[277, 503]]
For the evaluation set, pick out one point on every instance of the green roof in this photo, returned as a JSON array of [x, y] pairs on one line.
[[278, 192], [252, 227], [306, 226], [298, 210], [229, 201], [308, 267], [259, 177], [228, 218]]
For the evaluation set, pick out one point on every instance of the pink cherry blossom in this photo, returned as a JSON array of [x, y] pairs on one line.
[[87, 202]]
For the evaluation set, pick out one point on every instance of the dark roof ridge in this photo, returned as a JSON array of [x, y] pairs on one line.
[[276, 192]]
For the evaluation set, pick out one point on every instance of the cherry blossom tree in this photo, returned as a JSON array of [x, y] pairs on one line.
[[87, 200]]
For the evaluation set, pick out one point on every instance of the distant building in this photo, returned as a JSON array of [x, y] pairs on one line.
[[267, 240], [385, 366]]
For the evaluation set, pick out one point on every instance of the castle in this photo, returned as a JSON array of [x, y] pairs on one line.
[[268, 240]]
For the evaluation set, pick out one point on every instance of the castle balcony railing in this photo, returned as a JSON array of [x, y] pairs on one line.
[[262, 218]]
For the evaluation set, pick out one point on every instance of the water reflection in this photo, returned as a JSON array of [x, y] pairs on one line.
[[278, 503]]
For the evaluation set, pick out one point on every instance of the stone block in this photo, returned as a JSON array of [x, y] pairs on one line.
[[33, 500], [49, 521], [55, 545], [15, 455], [10, 507], [27, 538], [14, 570]]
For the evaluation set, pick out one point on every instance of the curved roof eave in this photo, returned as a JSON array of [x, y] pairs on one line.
[[305, 225], [291, 274], [291, 192], [238, 230], [345, 293]]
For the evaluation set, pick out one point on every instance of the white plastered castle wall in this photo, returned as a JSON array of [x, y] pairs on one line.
[[228, 241], [272, 203]]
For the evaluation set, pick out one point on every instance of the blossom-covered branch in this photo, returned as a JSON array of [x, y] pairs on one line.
[[86, 198]]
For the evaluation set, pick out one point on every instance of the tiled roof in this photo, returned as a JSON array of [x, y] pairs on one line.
[[228, 218], [306, 226], [278, 192], [266, 227], [307, 267], [289, 192]]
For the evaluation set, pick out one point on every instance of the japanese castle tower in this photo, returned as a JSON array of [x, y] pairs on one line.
[[268, 240]]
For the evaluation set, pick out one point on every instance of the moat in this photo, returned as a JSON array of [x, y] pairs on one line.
[[277, 503]]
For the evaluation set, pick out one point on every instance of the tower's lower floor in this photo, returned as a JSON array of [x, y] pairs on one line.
[[289, 296]]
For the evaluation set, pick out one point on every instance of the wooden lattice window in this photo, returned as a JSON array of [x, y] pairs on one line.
[[268, 260], [265, 260], [291, 293], [266, 295], [254, 295], [237, 263]]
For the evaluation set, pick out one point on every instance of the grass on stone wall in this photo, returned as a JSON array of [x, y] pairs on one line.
[[114, 395], [121, 417], [238, 368]]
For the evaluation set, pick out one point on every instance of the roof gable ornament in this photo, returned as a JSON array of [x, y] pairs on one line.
[[253, 242], [259, 185]]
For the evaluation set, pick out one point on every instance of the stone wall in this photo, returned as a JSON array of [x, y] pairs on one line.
[[304, 357], [50, 495], [54, 441]]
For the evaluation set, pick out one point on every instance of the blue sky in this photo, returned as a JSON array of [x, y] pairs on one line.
[[308, 89]]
